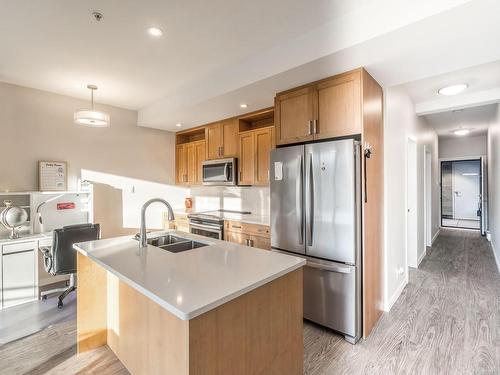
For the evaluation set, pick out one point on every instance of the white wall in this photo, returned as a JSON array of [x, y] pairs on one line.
[[37, 125], [254, 199], [462, 147], [494, 185], [400, 122]]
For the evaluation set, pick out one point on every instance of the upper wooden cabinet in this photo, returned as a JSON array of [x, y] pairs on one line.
[[230, 130], [246, 162], [294, 113], [263, 142], [213, 137], [180, 164], [325, 109], [222, 139], [200, 155], [339, 106], [188, 160], [255, 147]]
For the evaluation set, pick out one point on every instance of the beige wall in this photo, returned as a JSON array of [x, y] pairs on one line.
[[37, 125], [137, 163]]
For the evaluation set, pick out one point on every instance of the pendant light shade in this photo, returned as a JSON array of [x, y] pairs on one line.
[[91, 117]]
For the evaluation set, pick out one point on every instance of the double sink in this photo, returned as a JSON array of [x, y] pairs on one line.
[[173, 243]]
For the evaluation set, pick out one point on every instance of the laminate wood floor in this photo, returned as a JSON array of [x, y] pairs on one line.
[[447, 321]]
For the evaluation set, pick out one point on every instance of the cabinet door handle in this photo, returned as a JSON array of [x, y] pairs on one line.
[[309, 123], [315, 123], [236, 226], [251, 242], [240, 176], [246, 242], [221, 150]]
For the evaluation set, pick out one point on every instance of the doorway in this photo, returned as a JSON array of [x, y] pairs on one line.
[[428, 197], [461, 194], [411, 204]]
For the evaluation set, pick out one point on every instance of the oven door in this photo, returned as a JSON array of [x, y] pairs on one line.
[[206, 230], [219, 172]]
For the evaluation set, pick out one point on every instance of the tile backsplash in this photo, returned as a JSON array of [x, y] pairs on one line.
[[254, 199]]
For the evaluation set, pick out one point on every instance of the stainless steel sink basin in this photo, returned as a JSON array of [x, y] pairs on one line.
[[173, 243], [167, 239], [182, 246]]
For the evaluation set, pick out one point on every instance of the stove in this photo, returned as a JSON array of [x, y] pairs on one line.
[[210, 223]]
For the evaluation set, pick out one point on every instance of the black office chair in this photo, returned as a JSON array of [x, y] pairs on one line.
[[60, 258]]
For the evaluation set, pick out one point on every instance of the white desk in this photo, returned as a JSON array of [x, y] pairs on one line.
[[22, 273]]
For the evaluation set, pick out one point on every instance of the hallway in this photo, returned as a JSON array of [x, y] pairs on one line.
[[446, 321]]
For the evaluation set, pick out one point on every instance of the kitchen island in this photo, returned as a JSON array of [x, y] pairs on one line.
[[218, 309]]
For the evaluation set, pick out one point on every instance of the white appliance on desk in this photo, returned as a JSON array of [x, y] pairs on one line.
[[21, 265]]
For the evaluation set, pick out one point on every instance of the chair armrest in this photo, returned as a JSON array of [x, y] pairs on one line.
[[45, 249]]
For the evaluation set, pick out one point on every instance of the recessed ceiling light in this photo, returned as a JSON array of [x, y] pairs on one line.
[[453, 89], [461, 132], [178, 125], [154, 31], [243, 105]]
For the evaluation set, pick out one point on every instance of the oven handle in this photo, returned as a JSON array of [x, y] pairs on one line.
[[208, 228], [226, 172]]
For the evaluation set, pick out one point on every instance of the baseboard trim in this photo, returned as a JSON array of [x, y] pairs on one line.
[[421, 257], [495, 255], [435, 236], [396, 295]]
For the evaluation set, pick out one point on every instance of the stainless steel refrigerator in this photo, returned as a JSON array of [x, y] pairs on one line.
[[316, 214]]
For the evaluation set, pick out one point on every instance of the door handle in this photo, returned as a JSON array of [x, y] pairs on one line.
[[310, 221], [309, 123], [315, 123], [328, 267], [298, 199], [226, 171]]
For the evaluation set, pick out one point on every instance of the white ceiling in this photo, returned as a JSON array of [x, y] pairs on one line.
[[484, 88], [56, 45], [476, 119], [216, 54]]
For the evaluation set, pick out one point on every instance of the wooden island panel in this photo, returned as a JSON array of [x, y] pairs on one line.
[[258, 332]]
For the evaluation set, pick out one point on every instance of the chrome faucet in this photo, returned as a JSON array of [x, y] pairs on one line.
[[142, 234]]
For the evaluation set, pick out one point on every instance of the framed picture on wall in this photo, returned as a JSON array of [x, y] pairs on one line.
[[53, 175]]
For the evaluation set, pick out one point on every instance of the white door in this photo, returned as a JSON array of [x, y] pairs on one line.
[[466, 189], [411, 204]]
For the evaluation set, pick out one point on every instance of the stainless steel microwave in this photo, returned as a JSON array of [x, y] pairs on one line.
[[220, 172]]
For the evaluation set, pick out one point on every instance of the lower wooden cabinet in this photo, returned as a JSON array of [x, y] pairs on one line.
[[246, 234]]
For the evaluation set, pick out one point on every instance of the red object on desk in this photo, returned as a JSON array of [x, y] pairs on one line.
[[66, 206]]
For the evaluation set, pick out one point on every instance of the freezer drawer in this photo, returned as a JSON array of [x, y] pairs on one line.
[[330, 294]]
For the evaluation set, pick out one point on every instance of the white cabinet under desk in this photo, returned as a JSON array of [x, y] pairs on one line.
[[19, 282]]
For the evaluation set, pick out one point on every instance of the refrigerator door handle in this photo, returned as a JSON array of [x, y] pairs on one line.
[[328, 267], [298, 198], [310, 203]]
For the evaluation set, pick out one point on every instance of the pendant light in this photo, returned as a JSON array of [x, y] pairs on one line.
[[91, 117]]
